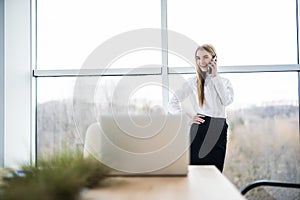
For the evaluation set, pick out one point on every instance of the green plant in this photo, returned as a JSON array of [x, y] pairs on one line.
[[59, 177]]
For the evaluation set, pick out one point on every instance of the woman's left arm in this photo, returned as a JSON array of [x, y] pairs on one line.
[[224, 89]]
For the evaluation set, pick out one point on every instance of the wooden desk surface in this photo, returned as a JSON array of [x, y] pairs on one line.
[[202, 182]]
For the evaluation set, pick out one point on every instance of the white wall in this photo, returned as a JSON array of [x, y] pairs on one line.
[[17, 83]]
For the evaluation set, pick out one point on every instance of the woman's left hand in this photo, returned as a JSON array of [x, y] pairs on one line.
[[198, 119]]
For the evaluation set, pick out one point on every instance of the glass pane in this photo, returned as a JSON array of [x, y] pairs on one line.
[[69, 31], [55, 126], [137, 59], [67, 106], [247, 32], [263, 133]]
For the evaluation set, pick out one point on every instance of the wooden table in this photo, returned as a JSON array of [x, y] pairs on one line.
[[202, 182]]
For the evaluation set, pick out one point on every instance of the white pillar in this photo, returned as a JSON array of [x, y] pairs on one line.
[[17, 83], [1, 83]]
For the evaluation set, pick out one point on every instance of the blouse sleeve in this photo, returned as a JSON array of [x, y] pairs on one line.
[[178, 97], [224, 90]]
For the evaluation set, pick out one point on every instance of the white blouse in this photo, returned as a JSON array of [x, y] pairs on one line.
[[218, 93]]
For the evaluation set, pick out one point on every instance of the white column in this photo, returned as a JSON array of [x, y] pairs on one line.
[[1, 83], [17, 85]]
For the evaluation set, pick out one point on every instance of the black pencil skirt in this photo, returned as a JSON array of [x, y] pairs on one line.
[[208, 142]]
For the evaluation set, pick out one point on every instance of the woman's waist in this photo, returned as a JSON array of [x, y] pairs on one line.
[[212, 115], [212, 112]]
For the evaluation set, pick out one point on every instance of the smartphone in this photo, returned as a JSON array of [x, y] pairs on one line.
[[209, 66]]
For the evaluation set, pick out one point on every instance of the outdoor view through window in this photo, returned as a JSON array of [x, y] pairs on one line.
[[263, 140]]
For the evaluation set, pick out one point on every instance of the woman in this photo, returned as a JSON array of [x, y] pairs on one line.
[[210, 94]]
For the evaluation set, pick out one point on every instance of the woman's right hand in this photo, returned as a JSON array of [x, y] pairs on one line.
[[198, 119]]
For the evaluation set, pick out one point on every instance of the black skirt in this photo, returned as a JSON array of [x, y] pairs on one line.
[[208, 142]]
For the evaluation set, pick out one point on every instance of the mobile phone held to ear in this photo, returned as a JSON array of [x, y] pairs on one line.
[[209, 65]]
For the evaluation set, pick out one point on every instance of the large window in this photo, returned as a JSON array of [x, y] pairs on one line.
[[257, 36]]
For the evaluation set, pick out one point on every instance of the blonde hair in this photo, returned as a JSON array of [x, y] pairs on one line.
[[200, 75]]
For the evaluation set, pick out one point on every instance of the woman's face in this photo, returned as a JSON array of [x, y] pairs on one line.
[[202, 59]]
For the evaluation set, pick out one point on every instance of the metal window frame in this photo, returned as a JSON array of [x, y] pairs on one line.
[[164, 71]]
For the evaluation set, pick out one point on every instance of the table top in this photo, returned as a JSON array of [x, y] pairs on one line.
[[202, 182]]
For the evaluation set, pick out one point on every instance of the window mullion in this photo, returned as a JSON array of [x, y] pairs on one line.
[[164, 32]]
